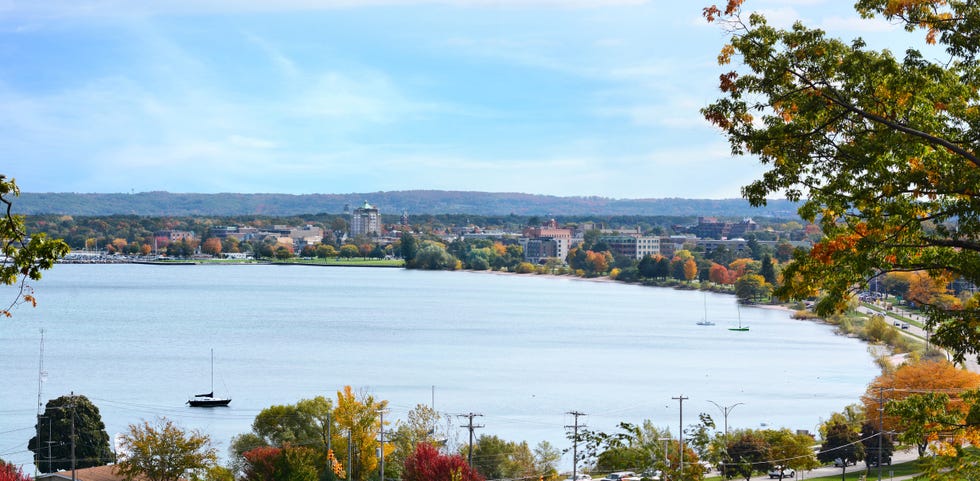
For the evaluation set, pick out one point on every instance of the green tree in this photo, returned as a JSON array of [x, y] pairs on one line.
[[420, 426], [349, 251], [433, 256], [24, 255], [752, 288], [324, 251], [305, 423], [872, 438], [791, 449], [880, 151], [55, 426], [490, 454], [409, 247], [164, 452], [546, 458], [768, 270], [841, 442]]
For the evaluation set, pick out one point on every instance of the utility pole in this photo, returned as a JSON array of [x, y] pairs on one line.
[[73, 478], [469, 425], [40, 384], [382, 413], [680, 434], [575, 442], [350, 454]]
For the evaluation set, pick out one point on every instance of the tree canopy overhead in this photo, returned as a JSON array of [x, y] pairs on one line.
[[881, 150]]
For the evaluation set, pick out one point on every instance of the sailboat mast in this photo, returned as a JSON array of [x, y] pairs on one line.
[[212, 371]]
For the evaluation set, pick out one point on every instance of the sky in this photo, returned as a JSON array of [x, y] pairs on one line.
[[556, 97]]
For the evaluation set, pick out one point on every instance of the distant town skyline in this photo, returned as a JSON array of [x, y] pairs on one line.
[[555, 97]]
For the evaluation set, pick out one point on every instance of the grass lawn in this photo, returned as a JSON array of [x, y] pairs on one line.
[[353, 262], [887, 472]]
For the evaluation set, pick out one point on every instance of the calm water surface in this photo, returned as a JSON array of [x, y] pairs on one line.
[[521, 350]]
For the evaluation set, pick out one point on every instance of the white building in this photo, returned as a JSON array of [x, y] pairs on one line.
[[365, 221]]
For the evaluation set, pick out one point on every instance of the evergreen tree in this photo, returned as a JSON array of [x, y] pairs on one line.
[[53, 451]]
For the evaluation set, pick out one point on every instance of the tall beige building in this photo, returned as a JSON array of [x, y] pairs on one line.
[[365, 221]]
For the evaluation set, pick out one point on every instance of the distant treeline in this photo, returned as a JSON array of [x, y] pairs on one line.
[[414, 202]]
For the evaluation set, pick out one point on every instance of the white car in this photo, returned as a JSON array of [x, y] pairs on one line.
[[774, 473], [621, 476], [579, 477]]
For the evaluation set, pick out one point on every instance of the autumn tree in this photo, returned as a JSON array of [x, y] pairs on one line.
[[427, 464], [211, 246], [164, 452], [879, 150], [790, 450], [53, 452], [752, 288], [718, 274], [306, 423], [690, 270], [349, 251], [10, 472], [23, 255], [357, 418], [939, 377], [746, 452], [289, 463], [950, 431]]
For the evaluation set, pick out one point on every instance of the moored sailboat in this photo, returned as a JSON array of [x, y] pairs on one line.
[[208, 400]]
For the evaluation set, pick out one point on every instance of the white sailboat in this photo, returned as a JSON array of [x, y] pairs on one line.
[[705, 321], [208, 400]]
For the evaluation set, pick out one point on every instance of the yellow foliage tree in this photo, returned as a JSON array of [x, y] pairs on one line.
[[357, 418]]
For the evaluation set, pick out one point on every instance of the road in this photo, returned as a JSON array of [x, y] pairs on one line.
[[897, 457], [913, 330]]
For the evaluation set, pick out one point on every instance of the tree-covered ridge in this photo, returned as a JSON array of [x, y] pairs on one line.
[[413, 201]]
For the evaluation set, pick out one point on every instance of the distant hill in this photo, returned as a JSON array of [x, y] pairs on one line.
[[392, 203]]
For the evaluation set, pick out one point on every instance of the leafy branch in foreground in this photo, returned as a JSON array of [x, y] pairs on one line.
[[880, 150], [22, 256]]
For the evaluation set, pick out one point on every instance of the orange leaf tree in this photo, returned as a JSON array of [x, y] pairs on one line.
[[934, 386]]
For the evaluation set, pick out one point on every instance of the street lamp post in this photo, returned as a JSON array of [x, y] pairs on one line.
[[725, 410]]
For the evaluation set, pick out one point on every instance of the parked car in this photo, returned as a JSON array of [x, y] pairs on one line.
[[653, 475], [621, 476], [579, 477], [779, 471], [840, 463], [905, 325]]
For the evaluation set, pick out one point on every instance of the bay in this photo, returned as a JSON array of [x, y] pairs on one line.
[[520, 350]]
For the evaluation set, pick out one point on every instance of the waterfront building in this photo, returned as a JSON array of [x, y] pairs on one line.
[[633, 246], [546, 241], [365, 221]]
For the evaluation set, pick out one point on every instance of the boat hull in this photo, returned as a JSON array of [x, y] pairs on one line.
[[208, 402]]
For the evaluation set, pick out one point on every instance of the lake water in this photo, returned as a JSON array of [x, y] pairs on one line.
[[521, 350]]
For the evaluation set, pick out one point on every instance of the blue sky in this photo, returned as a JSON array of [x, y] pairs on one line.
[[560, 97]]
